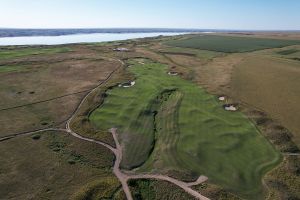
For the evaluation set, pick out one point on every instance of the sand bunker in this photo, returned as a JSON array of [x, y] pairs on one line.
[[173, 73], [121, 49], [230, 107], [222, 98], [127, 84]]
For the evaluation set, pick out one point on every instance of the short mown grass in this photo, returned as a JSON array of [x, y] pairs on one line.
[[230, 44], [167, 123]]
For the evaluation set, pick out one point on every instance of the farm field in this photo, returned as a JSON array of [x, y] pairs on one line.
[[188, 129], [230, 44]]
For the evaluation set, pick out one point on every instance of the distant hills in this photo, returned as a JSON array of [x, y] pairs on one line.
[[11, 32]]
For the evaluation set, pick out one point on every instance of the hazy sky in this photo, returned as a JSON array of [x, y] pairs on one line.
[[215, 14]]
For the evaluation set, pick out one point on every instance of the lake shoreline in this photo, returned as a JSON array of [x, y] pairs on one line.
[[79, 38]]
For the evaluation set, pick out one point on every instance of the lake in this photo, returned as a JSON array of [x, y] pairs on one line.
[[77, 38]]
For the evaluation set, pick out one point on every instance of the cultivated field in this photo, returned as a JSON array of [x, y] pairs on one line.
[[229, 44]]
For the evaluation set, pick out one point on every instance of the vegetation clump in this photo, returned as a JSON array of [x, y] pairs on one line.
[[36, 136]]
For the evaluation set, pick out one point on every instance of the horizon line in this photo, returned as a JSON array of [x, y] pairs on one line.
[[158, 28]]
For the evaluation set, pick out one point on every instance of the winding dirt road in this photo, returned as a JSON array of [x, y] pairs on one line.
[[122, 176]]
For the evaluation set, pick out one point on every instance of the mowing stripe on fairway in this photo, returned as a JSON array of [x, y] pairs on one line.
[[188, 129]]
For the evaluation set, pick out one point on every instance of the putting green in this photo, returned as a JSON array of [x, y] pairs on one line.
[[167, 123]]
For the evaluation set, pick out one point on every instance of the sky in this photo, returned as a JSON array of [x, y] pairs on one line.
[[203, 14]]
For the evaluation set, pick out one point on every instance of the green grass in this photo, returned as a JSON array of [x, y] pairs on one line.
[[229, 44], [12, 68], [21, 52], [189, 128]]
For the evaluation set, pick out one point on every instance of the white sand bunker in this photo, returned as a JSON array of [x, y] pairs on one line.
[[127, 84], [140, 62], [121, 49], [173, 73], [222, 98], [230, 107]]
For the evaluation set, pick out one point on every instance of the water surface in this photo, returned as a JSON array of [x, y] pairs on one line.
[[76, 38]]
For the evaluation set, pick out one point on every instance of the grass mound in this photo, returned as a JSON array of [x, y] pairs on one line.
[[190, 130], [229, 44]]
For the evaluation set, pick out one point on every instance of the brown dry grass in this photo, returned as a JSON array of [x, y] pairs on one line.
[[45, 78], [214, 75], [55, 166], [284, 182], [273, 85], [42, 115], [208, 69], [52, 80]]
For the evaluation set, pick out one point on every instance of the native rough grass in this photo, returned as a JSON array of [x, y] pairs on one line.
[[54, 165], [273, 85]]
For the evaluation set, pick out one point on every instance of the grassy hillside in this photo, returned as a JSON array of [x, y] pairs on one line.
[[187, 130], [230, 44]]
